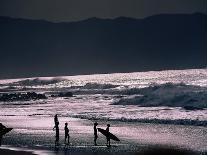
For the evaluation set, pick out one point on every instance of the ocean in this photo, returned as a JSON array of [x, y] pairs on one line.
[[155, 103]]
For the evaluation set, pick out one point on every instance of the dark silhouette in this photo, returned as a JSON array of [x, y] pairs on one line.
[[9, 97], [2, 127], [56, 127], [67, 136], [95, 133], [108, 134], [167, 41], [65, 94], [56, 119], [107, 137]]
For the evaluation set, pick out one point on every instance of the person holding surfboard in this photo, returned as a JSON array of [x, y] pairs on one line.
[[3, 130], [95, 133], [108, 136], [2, 127], [57, 130], [66, 133]]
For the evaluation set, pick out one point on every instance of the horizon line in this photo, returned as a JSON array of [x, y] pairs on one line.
[[98, 18], [62, 76]]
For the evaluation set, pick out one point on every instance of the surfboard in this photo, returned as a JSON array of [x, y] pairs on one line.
[[105, 133], [5, 131]]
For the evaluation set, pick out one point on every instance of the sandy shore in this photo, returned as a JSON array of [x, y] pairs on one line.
[[150, 150], [9, 151], [34, 135]]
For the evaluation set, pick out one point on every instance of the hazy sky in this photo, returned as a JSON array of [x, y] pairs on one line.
[[37, 49], [70, 10]]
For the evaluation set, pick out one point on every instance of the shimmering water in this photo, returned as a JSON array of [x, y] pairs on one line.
[[95, 96], [123, 99]]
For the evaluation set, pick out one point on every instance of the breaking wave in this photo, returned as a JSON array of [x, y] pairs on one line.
[[36, 82], [172, 95], [146, 120], [98, 86]]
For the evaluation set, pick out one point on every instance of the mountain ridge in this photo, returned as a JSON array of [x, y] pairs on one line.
[[43, 48]]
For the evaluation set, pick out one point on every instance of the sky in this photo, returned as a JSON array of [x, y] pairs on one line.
[[75, 10], [37, 48]]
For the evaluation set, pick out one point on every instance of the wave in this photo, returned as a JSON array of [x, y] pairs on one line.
[[36, 82], [172, 95], [154, 88], [8, 88], [146, 120], [98, 86]]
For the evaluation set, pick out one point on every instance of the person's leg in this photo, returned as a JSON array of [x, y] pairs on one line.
[[57, 136], [0, 140], [58, 140], [68, 140], [95, 138], [108, 141]]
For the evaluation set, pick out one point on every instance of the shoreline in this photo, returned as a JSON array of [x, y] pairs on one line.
[[34, 135], [11, 151], [143, 150], [132, 135]]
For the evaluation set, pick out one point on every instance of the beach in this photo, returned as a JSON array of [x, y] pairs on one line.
[[166, 113], [12, 152], [140, 138], [78, 151], [9, 151]]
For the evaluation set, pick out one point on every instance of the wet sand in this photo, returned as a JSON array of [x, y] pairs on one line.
[[35, 134], [150, 150], [8, 151]]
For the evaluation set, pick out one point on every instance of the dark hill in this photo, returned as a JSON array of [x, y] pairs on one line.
[[41, 48]]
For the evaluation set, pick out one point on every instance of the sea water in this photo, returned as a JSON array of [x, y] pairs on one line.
[[155, 97]]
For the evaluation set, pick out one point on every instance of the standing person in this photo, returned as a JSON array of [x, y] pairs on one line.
[[56, 119], [2, 127], [56, 127], [66, 133], [95, 133], [107, 137]]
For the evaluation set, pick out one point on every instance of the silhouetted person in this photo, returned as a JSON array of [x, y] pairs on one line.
[[56, 127], [66, 133], [56, 119], [95, 133], [107, 137], [2, 127]]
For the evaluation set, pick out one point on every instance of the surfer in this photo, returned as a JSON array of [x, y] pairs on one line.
[[107, 136], [2, 127], [95, 133], [56, 119], [66, 133], [56, 127]]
